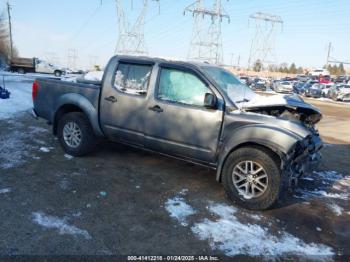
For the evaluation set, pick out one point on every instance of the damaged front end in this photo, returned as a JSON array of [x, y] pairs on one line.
[[304, 157]]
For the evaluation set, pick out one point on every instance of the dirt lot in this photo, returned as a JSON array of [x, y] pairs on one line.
[[120, 200]]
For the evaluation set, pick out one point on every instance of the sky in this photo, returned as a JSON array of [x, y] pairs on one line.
[[50, 28]]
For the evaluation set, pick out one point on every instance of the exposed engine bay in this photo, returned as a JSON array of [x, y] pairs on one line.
[[306, 116], [305, 154]]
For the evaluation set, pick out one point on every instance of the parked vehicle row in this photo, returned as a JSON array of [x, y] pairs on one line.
[[308, 86]]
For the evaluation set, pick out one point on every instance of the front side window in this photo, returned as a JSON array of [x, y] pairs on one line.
[[181, 87], [132, 78]]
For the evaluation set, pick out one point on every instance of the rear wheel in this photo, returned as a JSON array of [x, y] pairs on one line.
[[21, 71], [252, 178], [58, 73], [76, 134]]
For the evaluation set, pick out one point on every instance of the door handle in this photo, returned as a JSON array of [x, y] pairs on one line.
[[111, 99], [156, 108]]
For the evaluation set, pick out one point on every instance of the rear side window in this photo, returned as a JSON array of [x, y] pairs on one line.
[[132, 78]]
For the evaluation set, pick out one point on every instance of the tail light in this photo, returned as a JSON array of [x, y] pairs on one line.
[[35, 90]]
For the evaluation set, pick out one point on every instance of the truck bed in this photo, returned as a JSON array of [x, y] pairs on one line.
[[22, 62], [52, 93]]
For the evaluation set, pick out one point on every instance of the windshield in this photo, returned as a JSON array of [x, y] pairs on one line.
[[230, 85]]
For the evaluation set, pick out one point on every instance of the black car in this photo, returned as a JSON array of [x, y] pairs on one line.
[[342, 79]]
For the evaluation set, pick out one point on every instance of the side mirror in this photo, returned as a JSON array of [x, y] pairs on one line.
[[210, 101]]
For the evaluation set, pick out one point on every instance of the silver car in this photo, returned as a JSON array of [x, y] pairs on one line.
[[284, 87]]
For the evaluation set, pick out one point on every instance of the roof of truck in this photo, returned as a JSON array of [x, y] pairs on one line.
[[164, 60]]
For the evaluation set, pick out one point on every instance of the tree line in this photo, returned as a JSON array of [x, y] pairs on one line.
[[293, 69]]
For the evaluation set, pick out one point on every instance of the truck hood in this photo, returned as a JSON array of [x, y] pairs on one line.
[[279, 105]]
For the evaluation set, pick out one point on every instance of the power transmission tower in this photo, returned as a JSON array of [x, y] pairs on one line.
[[131, 38], [264, 41], [331, 59], [72, 57], [329, 53], [52, 57], [93, 61], [206, 42]]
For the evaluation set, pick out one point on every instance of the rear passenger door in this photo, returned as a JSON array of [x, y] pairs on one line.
[[123, 102]]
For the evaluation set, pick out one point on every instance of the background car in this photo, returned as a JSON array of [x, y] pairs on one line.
[[318, 72], [340, 92], [298, 87], [314, 91], [307, 85], [325, 88], [342, 79], [284, 87]]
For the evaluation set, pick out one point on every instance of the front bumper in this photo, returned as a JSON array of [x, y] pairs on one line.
[[305, 158]]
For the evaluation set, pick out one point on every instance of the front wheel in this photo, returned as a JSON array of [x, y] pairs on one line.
[[21, 71], [252, 178], [58, 73], [76, 134]]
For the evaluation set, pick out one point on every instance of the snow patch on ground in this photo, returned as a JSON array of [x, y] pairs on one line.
[[69, 157], [20, 100], [334, 186], [321, 193], [337, 210], [61, 225], [94, 76], [232, 237], [225, 232], [45, 149], [14, 150], [5, 190], [179, 209]]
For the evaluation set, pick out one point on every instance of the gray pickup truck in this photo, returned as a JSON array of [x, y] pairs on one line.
[[259, 146]]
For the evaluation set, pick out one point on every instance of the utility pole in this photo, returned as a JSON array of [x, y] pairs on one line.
[[10, 28], [328, 53], [263, 43], [72, 58], [131, 39], [206, 42]]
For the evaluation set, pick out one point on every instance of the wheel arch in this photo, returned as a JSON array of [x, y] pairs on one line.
[[278, 143], [76, 103]]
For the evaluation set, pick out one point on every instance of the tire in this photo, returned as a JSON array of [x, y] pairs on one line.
[[58, 73], [87, 137], [21, 71], [274, 185]]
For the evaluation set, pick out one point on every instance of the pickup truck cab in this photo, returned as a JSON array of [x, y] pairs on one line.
[[196, 112]]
